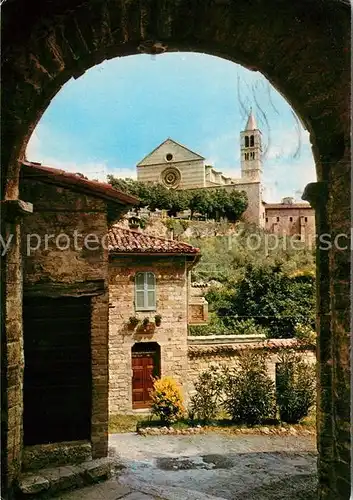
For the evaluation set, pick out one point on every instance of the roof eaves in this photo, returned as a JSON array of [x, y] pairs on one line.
[[70, 180]]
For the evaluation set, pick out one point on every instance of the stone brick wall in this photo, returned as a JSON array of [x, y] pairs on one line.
[[60, 211], [200, 362], [192, 173], [296, 220], [74, 269], [189, 164], [171, 335]]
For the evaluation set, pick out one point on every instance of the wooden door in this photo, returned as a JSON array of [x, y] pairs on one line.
[[57, 375], [143, 371]]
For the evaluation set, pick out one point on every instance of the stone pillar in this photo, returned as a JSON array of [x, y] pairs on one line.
[[12, 358], [100, 376], [333, 402]]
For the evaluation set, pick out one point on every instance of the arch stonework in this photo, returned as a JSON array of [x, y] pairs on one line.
[[303, 48]]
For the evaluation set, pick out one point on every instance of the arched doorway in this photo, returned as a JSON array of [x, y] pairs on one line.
[[146, 365], [303, 48]]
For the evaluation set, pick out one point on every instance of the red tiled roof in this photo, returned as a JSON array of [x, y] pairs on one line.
[[270, 344], [287, 206], [122, 240], [75, 182]]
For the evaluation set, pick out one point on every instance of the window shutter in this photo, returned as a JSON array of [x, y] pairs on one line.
[[145, 291]]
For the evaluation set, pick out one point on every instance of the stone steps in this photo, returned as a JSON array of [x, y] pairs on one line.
[[43, 456], [49, 482]]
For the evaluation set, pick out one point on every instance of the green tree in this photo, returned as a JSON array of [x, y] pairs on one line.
[[199, 201], [179, 201], [236, 205], [274, 300]]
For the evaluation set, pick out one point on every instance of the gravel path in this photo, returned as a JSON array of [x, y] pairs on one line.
[[228, 467]]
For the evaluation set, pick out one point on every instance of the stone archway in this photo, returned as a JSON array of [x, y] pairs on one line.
[[303, 48]]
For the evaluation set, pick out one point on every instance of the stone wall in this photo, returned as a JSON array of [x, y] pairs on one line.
[[60, 211], [201, 357], [291, 220], [171, 335], [192, 173], [59, 266]]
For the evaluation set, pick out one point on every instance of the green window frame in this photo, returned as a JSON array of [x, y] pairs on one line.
[[145, 291]]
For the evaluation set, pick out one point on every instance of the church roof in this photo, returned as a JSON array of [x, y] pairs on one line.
[[169, 140], [122, 240], [251, 123]]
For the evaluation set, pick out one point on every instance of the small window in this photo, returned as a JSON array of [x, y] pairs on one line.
[[169, 157], [290, 219], [145, 292], [277, 219], [306, 219], [266, 219], [246, 141], [251, 141]]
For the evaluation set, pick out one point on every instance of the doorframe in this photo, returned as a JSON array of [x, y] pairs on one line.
[[145, 348]]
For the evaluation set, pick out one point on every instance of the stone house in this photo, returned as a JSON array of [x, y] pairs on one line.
[[65, 310], [148, 283], [291, 218]]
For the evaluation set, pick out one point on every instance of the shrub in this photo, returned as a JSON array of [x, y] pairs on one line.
[[204, 404], [167, 400], [295, 381], [305, 333], [249, 392], [213, 327]]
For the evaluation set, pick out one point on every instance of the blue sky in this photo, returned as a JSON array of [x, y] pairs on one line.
[[118, 112]]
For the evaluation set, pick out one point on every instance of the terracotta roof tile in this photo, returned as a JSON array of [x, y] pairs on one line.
[[76, 182], [270, 344], [122, 240]]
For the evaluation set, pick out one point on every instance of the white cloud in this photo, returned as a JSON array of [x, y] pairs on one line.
[[92, 169], [288, 163]]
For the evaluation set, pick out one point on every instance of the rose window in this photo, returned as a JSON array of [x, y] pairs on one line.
[[171, 177]]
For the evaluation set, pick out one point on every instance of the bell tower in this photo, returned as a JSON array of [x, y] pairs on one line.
[[251, 151]]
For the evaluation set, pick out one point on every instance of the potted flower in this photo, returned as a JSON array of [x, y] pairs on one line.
[[133, 322], [147, 326], [146, 322], [158, 319]]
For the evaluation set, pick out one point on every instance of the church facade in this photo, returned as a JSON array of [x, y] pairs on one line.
[[177, 167]]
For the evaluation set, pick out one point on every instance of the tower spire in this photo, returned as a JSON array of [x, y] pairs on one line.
[[251, 150], [251, 123]]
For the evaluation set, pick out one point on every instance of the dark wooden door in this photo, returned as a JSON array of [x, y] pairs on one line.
[[57, 375], [143, 371]]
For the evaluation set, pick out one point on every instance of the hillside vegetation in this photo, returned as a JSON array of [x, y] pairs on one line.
[[258, 284], [212, 203]]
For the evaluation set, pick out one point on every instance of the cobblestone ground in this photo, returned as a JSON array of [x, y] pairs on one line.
[[245, 467]]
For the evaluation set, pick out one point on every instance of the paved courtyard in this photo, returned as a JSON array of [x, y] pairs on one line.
[[220, 466], [208, 467]]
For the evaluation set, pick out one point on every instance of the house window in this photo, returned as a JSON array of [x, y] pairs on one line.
[[277, 219], [306, 219], [266, 219], [290, 219], [145, 292]]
